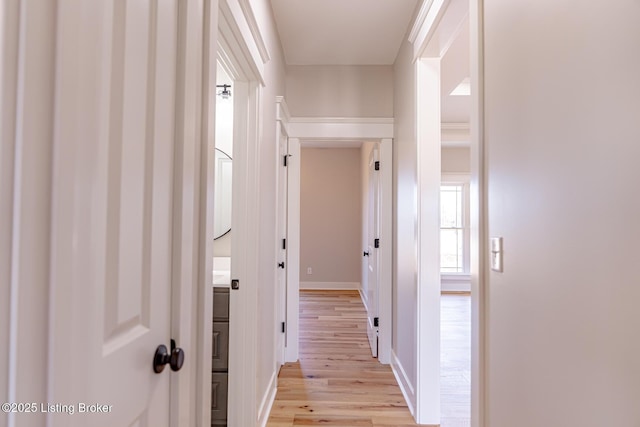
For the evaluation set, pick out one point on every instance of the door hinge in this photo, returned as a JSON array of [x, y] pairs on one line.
[[283, 327], [377, 165], [376, 243], [286, 159], [376, 321], [284, 244]]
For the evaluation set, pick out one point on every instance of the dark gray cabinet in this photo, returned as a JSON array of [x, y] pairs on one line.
[[220, 357]]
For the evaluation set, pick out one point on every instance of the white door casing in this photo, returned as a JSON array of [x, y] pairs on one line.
[[233, 43], [371, 293], [114, 237], [293, 252], [27, 43], [281, 245], [282, 213], [331, 130]]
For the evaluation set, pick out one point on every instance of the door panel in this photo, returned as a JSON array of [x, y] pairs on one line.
[[283, 150], [122, 254], [373, 221]]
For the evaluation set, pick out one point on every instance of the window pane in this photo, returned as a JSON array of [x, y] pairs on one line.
[[451, 213], [451, 251]]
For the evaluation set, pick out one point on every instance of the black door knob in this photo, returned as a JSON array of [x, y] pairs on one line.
[[281, 264], [365, 253], [162, 357]]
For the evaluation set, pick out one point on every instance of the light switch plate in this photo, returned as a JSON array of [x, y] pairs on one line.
[[496, 254]]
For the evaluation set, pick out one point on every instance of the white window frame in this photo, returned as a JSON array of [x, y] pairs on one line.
[[461, 179]]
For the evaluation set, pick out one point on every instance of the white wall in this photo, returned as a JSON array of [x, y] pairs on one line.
[[340, 91], [274, 86], [562, 85], [405, 221]]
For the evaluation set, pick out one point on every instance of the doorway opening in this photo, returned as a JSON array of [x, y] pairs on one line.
[[313, 134], [337, 214], [449, 171], [455, 231], [222, 245], [226, 392]]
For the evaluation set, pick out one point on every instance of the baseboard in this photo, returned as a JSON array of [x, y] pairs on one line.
[[408, 391], [267, 401], [317, 286], [455, 283], [363, 299]]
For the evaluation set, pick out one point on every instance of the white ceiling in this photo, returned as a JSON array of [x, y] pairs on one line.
[[342, 32], [366, 32]]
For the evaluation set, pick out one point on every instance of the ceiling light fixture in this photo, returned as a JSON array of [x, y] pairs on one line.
[[225, 93]]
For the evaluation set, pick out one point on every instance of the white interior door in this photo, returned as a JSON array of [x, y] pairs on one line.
[[373, 222], [113, 204], [281, 330]]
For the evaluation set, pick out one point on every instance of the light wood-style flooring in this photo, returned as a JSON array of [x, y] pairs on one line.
[[338, 383], [455, 360]]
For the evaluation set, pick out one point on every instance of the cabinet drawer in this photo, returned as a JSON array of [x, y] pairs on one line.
[[220, 346], [219, 399], [220, 304]]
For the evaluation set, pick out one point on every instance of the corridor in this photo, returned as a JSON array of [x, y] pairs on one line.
[[338, 383]]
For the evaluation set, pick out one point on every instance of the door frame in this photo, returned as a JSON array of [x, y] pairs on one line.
[[233, 39], [27, 117], [370, 231], [433, 31], [303, 129], [282, 130]]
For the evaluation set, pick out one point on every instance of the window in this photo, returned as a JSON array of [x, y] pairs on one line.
[[454, 228]]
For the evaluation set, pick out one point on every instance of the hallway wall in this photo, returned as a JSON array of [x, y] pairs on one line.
[[405, 221], [274, 86], [561, 134], [456, 160], [340, 90], [330, 218]]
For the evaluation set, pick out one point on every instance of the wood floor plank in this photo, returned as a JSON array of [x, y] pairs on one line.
[[336, 381]]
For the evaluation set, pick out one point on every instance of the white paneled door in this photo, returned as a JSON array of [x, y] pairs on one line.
[[115, 157], [372, 254], [282, 243]]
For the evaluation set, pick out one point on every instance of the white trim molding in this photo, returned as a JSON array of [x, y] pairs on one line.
[[428, 289], [436, 26], [238, 51], [407, 389], [421, 17], [266, 403], [329, 130], [293, 251], [425, 24], [333, 286], [282, 113], [341, 128], [238, 28], [255, 30], [478, 206], [385, 263], [455, 134]]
